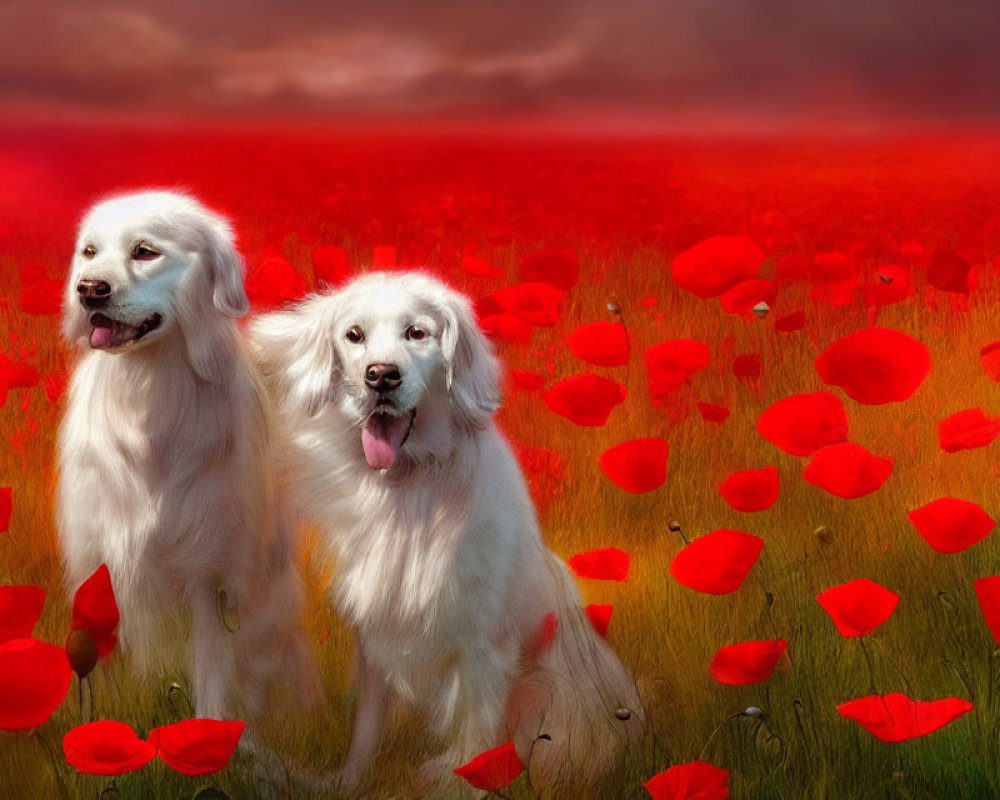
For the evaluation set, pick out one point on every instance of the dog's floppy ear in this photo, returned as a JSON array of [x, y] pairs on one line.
[[294, 349], [473, 372], [225, 268]]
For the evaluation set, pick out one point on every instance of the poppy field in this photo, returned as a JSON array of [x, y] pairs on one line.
[[753, 383]]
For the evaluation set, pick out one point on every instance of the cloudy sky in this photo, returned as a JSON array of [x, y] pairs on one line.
[[896, 59]]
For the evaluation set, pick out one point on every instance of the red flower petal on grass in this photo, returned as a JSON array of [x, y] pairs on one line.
[[559, 267], [22, 376], [34, 679], [896, 718], [602, 343], [741, 298], [106, 747], [990, 356], [637, 466], [695, 780], [949, 271], [330, 264], [40, 295], [55, 386], [717, 562], [197, 746], [711, 412], [669, 364], [716, 264], [600, 617], [890, 285], [967, 430], [525, 380], [585, 399], [273, 283], [858, 607], [746, 662], [789, 323], [605, 564], [506, 328], [20, 608], [534, 303], [494, 770], [751, 490], [847, 470], [479, 268], [800, 424], [875, 365], [988, 592], [6, 506], [951, 525], [747, 366], [95, 610]]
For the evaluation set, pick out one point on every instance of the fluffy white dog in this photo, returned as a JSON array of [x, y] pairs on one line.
[[165, 465], [387, 388]]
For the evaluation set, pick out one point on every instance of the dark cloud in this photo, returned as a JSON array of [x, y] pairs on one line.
[[895, 58]]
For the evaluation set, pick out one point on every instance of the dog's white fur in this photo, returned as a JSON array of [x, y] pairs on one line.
[[165, 466], [441, 567]]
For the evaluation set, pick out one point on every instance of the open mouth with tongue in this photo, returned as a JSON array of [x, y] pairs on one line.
[[109, 334], [382, 436]]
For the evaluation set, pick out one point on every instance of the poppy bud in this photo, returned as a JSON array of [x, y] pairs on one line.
[[81, 650], [761, 309]]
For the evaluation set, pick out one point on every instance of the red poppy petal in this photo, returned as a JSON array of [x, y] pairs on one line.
[[800, 424], [748, 366], [746, 662], [479, 268], [506, 327], [106, 747], [602, 343], [606, 564], [717, 562], [534, 303], [990, 357], [95, 610], [330, 264], [741, 298], [988, 592], [600, 617], [891, 284], [6, 506], [20, 608], [559, 268], [847, 470], [789, 323], [526, 381], [695, 780], [670, 363], [637, 466], [751, 490], [896, 718], [967, 430], [711, 412], [197, 746], [494, 770], [716, 264], [859, 606], [951, 525], [585, 399], [34, 679], [55, 386], [875, 365], [948, 271], [273, 283]]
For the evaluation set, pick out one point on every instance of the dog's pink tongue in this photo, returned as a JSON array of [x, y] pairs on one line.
[[101, 337], [381, 439]]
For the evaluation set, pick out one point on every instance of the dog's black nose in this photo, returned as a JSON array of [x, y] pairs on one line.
[[383, 377], [94, 294]]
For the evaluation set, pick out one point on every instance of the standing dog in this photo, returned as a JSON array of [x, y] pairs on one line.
[[387, 388], [165, 468]]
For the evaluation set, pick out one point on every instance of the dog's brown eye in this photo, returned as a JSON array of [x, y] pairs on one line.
[[89, 251], [415, 333], [143, 252], [355, 335]]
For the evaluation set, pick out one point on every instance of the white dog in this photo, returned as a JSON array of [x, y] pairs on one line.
[[388, 389], [165, 463]]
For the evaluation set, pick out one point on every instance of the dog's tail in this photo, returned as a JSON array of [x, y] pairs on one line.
[[574, 712]]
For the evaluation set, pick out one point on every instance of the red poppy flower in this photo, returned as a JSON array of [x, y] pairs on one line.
[[383, 255], [795, 321], [543, 636], [606, 564], [637, 466], [534, 303], [6, 506], [494, 770], [506, 327], [751, 490], [330, 264], [950, 525], [670, 363], [967, 430], [890, 285], [793, 268], [106, 747], [22, 376], [34, 679], [95, 610], [896, 718], [747, 366], [480, 269], [601, 343], [741, 298], [559, 268], [600, 617], [800, 424], [949, 271], [40, 295], [858, 607], [875, 365], [197, 746], [20, 608], [716, 264], [988, 592], [711, 412], [273, 283], [525, 380], [746, 662], [990, 356], [834, 267], [585, 399], [847, 470], [694, 780], [717, 562]]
